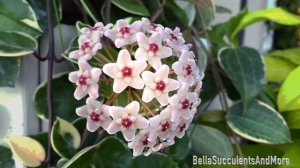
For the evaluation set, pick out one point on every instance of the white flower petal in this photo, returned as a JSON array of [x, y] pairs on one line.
[[182, 92], [173, 85], [178, 67], [96, 47], [165, 52], [141, 54], [148, 77], [175, 115], [120, 42], [148, 95], [174, 100], [116, 112], [141, 122], [142, 40], [124, 57], [74, 54], [84, 65], [136, 82], [73, 76], [133, 107], [155, 62], [112, 34], [129, 134], [113, 128], [92, 126], [163, 72], [82, 111], [155, 38], [192, 97], [95, 74], [79, 93], [111, 69], [138, 67], [163, 99], [119, 85], [93, 91], [105, 124]]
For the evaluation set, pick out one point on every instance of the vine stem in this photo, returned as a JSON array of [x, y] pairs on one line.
[[51, 59]]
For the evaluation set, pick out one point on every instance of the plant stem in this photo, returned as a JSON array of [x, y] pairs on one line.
[[100, 57], [51, 59], [159, 11], [108, 52], [112, 99], [143, 104]]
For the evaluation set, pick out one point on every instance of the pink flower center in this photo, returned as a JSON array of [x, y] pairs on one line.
[[153, 47], [82, 80], [153, 26], [145, 141], [182, 127], [165, 126], [95, 116], [126, 71], [124, 30], [173, 37], [185, 104], [188, 69], [160, 85], [85, 46], [126, 122]]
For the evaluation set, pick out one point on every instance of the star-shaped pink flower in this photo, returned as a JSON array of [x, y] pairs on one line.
[[88, 47], [125, 72], [140, 142], [181, 102], [127, 120], [151, 49], [186, 68], [125, 33], [86, 80], [97, 114], [158, 85]]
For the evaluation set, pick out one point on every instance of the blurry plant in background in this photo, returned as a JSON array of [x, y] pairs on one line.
[[263, 120]]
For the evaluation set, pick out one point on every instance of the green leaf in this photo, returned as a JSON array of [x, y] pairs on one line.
[[245, 68], [65, 138], [110, 152], [40, 9], [293, 155], [289, 94], [210, 141], [277, 15], [292, 54], [212, 116], [189, 9], [17, 15], [181, 148], [16, 44], [201, 54], [6, 160], [90, 9], [205, 12], [259, 123], [64, 102], [293, 119], [131, 6], [172, 18], [222, 9], [9, 71], [27, 150], [277, 69], [156, 160], [61, 162]]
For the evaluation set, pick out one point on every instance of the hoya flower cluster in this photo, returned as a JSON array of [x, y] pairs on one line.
[[156, 70]]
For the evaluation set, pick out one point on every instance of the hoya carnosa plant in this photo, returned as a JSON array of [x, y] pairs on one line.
[[155, 70]]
